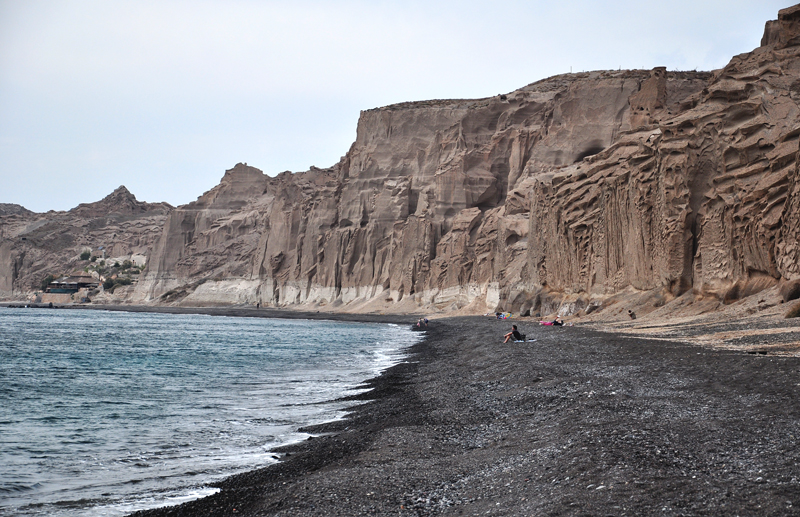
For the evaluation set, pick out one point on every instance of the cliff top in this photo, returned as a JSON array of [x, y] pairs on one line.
[[120, 201], [13, 209], [556, 82]]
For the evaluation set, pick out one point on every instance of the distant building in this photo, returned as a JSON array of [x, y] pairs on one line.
[[72, 284]]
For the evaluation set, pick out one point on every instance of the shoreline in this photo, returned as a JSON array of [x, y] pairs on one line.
[[239, 493], [296, 458], [578, 422], [349, 396], [248, 312]]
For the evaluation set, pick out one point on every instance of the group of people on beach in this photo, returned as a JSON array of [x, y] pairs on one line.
[[518, 336], [557, 322]]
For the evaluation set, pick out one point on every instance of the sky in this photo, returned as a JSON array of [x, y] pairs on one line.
[[164, 96]]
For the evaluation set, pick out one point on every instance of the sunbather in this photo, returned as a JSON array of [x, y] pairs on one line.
[[515, 334]]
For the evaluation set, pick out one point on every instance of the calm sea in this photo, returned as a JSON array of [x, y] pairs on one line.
[[105, 413]]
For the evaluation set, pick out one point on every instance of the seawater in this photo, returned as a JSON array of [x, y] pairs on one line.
[[104, 413]]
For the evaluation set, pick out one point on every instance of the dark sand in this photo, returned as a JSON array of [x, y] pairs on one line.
[[576, 423]]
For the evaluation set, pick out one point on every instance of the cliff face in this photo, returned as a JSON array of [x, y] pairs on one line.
[[34, 245], [703, 197], [580, 185], [431, 205]]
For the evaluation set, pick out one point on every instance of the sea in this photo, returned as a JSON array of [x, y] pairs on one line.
[[103, 413]]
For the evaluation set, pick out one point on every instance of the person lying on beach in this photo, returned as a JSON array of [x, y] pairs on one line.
[[515, 334], [556, 322]]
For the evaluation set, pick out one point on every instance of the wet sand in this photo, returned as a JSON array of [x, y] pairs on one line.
[[577, 422]]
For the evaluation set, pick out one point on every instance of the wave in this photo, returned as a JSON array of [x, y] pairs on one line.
[[12, 488], [201, 399]]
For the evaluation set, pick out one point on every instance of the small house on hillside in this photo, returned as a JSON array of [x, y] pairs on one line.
[[72, 284]]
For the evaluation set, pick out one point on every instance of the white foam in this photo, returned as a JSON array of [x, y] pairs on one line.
[[169, 464], [148, 503]]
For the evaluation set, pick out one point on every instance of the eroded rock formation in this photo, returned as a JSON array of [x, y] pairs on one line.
[[34, 245], [430, 206], [580, 184], [702, 196]]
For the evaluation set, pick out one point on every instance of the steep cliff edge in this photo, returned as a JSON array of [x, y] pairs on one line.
[[571, 188], [581, 184], [703, 198], [430, 207]]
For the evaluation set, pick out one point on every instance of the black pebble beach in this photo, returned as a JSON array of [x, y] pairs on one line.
[[577, 422]]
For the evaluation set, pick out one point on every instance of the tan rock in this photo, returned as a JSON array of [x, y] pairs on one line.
[[34, 245], [546, 199]]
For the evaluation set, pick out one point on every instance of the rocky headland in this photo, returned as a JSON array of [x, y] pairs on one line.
[[654, 187]]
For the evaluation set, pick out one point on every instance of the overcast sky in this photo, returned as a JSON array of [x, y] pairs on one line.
[[164, 96]]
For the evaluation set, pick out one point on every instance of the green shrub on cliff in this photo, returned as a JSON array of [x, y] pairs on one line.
[[111, 284], [46, 281], [85, 255]]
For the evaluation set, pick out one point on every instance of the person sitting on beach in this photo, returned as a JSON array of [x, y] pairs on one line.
[[515, 334]]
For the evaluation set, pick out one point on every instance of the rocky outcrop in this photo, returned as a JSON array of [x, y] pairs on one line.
[[431, 206], [7, 209], [33, 245], [581, 183], [705, 197], [575, 187]]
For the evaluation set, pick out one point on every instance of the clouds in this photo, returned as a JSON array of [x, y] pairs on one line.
[[164, 96]]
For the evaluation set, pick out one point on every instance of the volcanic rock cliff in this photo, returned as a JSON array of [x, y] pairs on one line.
[[582, 183], [575, 187], [33, 245], [703, 196]]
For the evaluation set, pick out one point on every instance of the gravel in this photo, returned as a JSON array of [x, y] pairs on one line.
[[578, 422]]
